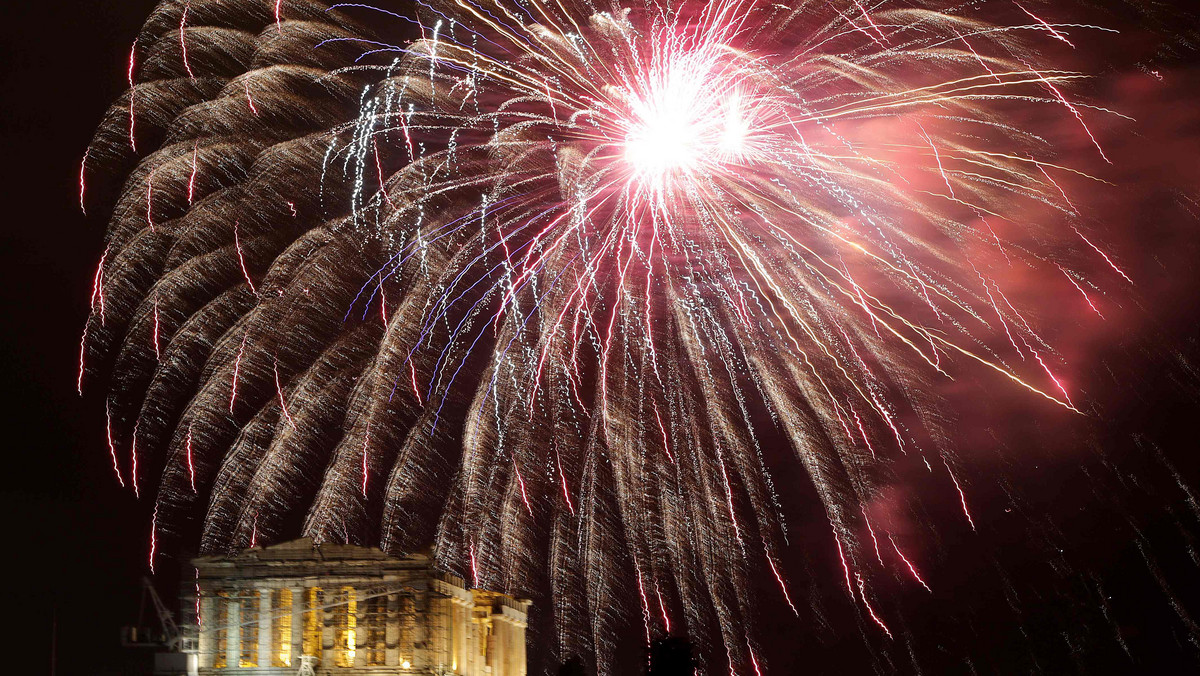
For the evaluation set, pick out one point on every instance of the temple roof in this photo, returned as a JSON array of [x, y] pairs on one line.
[[303, 557], [305, 549]]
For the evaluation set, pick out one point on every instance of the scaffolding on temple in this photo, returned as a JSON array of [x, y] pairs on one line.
[[301, 608]]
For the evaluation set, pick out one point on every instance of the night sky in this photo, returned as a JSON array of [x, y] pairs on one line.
[[1061, 526], [72, 539]]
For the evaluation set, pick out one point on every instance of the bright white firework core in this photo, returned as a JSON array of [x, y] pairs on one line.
[[687, 119], [663, 142]]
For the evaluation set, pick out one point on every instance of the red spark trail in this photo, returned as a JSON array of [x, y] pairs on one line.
[[1060, 191], [474, 566], [1003, 322], [782, 586], [979, 59], [132, 94], [153, 538], [911, 568], [1103, 255], [645, 601], [133, 474], [753, 659], [870, 21], [183, 39], [937, 156], [662, 428], [521, 483], [1079, 288], [283, 402], [379, 171], [157, 352], [887, 417], [662, 607], [842, 558], [237, 367], [408, 144], [872, 532], [924, 293], [237, 242], [278, 16], [112, 447], [82, 357], [862, 30], [862, 302], [1057, 35], [871, 611], [83, 181], [199, 616], [1057, 383], [863, 431], [192, 178], [191, 465], [837, 409], [98, 286], [132, 61], [737, 531], [249, 97], [550, 100], [563, 477], [412, 369], [150, 200], [365, 448], [961, 495], [1069, 106]]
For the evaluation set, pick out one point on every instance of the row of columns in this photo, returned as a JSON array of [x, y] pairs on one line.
[[455, 627], [462, 641], [266, 651]]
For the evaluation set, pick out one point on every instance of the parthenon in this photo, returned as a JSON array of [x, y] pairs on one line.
[[301, 608]]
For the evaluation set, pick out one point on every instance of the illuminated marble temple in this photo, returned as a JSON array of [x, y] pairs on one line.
[[306, 609]]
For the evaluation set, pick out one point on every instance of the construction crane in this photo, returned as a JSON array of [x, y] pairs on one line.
[[174, 651], [141, 635]]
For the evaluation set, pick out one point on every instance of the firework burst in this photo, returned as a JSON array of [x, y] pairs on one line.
[[556, 284]]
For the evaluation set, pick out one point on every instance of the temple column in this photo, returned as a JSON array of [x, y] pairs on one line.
[[462, 626], [451, 657], [266, 626], [297, 624], [207, 640], [360, 626], [392, 629], [464, 621], [504, 643], [437, 621], [523, 666], [495, 646], [328, 631], [504, 647], [233, 642]]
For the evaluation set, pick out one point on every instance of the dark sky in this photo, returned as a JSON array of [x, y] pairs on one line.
[[71, 539], [76, 543]]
